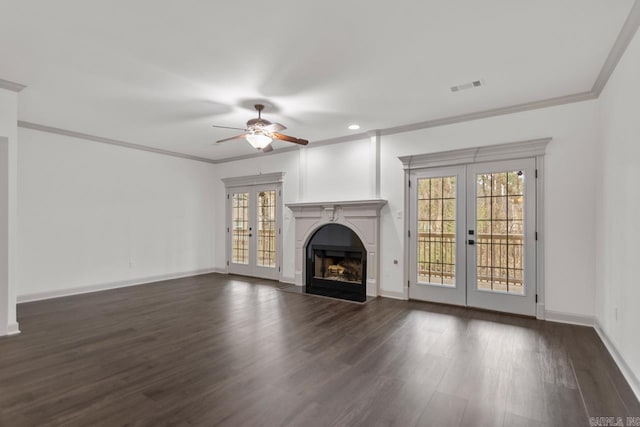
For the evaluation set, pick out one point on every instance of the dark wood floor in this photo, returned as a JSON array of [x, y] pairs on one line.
[[217, 350]]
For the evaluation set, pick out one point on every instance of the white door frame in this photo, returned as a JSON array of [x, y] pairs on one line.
[[254, 183], [515, 150]]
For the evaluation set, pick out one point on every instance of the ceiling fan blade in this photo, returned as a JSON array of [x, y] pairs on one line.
[[267, 149], [288, 138], [275, 127], [227, 127], [233, 137]]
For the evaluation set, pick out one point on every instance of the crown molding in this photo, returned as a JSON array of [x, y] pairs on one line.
[[629, 29], [12, 86], [94, 138], [534, 105]]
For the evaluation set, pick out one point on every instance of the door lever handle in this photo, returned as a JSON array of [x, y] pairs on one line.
[[472, 242]]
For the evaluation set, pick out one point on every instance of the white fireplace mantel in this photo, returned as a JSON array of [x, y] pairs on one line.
[[362, 216]]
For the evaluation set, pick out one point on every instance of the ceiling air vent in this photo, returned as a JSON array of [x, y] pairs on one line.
[[471, 85]]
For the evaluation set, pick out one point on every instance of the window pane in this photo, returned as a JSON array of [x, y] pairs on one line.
[[516, 183], [483, 208], [449, 187], [499, 207], [436, 230], [267, 229], [240, 228], [449, 209], [435, 212], [500, 219]]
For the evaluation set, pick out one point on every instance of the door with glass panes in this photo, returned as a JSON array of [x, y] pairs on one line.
[[472, 236], [253, 230], [437, 267]]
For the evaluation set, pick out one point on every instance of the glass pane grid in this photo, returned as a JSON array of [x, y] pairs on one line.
[[267, 229], [500, 232], [240, 228], [436, 230]]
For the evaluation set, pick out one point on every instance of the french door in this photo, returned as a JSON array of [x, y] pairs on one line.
[[472, 236], [253, 230], [437, 232]]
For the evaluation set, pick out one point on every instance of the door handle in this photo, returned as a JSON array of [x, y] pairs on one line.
[[250, 234], [472, 242]]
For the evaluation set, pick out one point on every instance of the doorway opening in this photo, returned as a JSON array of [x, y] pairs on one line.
[[473, 235], [254, 230]]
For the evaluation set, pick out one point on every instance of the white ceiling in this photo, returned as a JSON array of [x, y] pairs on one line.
[[159, 73]]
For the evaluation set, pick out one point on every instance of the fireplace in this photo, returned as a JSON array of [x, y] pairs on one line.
[[336, 264], [350, 227]]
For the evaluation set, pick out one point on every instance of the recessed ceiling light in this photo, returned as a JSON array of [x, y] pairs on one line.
[[354, 127]]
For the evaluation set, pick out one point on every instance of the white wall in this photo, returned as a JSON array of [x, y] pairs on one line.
[[92, 214], [343, 171], [331, 172], [8, 172], [618, 202], [337, 172]]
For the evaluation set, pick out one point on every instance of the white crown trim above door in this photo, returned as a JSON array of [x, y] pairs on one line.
[[487, 153]]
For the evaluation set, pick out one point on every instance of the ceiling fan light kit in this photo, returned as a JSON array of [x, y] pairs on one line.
[[258, 140], [260, 133]]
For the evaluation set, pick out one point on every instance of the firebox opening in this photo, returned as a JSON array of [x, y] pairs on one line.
[[336, 264]]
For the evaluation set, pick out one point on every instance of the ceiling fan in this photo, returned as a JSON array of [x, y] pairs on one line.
[[260, 132]]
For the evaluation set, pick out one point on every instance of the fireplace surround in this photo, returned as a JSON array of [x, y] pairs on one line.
[[362, 218]]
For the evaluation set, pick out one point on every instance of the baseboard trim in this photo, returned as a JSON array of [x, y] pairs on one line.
[[220, 271], [288, 280], [392, 295], [39, 296], [13, 329], [628, 374], [570, 318]]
